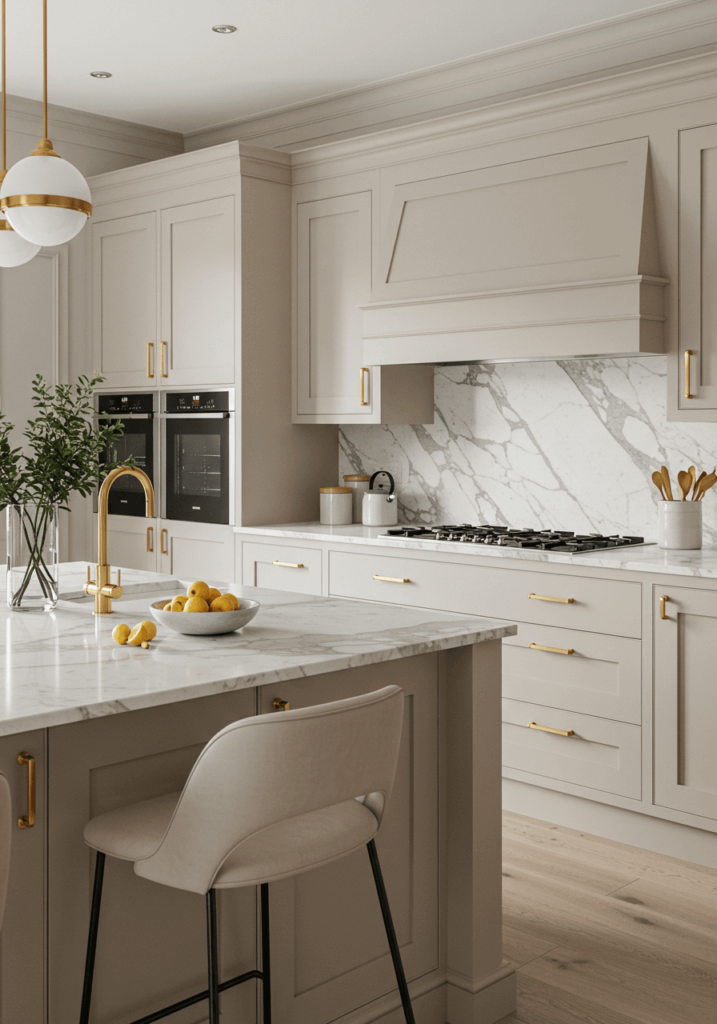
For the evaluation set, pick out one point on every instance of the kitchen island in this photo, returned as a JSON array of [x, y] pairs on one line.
[[109, 725]]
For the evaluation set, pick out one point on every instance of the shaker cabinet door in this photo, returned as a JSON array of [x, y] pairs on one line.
[[124, 301], [685, 700], [23, 939], [198, 274]]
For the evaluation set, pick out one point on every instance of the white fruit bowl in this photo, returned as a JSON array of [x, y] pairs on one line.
[[204, 623]]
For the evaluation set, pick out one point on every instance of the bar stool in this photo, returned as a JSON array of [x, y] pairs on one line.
[[5, 841], [268, 798]]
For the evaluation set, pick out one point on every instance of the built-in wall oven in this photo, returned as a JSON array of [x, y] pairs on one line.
[[140, 441], [198, 456]]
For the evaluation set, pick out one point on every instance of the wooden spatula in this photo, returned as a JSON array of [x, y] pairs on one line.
[[666, 482]]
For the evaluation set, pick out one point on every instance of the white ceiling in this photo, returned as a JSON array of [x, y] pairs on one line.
[[171, 71]]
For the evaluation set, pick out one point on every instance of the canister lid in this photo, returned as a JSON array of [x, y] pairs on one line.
[[358, 476], [334, 490]]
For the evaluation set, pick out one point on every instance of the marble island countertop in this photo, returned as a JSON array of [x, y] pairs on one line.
[[63, 666], [650, 558]]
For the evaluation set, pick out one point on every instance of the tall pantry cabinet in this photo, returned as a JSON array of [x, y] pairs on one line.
[[190, 287]]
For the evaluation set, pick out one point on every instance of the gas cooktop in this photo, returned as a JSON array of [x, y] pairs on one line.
[[564, 541]]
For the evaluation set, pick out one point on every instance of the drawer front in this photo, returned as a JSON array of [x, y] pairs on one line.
[[282, 568], [591, 673], [601, 755], [596, 606]]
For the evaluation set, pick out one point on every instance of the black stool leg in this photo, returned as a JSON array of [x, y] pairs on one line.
[[212, 957], [265, 954], [92, 938], [391, 934]]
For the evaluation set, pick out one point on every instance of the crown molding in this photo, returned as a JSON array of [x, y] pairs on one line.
[[628, 42]]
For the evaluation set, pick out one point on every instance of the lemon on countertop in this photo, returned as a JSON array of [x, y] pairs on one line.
[[138, 635], [196, 604], [198, 589], [120, 634], [221, 604], [151, 629]]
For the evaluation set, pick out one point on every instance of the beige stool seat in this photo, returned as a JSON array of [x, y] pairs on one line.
[[287, 848]]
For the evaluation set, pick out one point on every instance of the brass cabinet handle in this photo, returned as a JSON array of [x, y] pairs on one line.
[[150, 543], [162, 360], [553, 650], [663, 601], [289, 565], [161, 542], [558, 600], [150, 358], [546, 728], [362, 371], [392, 579], [688, 353], [280, 705], [28, 820]]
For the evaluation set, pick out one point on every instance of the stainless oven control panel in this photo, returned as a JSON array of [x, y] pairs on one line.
[[198, 401]]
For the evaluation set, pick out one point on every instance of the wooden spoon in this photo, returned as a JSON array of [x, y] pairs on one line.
[[657, 481], [709, 481], [698, 481], [666, 482], [684, 481], [693, 473]]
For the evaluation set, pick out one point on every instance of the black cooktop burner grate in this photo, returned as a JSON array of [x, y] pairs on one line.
[[564, 541]]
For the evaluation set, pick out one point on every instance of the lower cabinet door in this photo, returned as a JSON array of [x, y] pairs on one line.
[[132, 543], [23, 985], [196, 551], [151, 947], [329, 949], [685, 697]]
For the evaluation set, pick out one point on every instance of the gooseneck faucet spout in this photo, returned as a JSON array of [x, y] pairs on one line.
[[101, 587]]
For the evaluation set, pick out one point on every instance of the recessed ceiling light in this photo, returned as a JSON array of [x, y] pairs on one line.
[[224, 30], [101, 74]]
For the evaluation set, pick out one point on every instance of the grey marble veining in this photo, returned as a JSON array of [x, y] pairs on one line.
[[565, 445], [64, 666]]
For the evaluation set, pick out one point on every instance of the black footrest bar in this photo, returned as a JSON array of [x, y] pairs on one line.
[[191, 1000]]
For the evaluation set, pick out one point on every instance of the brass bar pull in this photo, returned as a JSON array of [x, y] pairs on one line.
[[546, 728], [280, 705], [162, 536], [688, 353], [150, 538], [150, 358], [28, 820], [362, 371], [553, 650], [663, 601], [289, 565], [164, 343], [558, 600], [392, 579]]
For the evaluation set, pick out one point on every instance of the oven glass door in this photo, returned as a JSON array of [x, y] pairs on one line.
[[197, 469], [126, 497]]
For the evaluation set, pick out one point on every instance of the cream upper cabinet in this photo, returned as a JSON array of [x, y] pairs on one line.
[[685, 700], [334, 241], [697, 378], [198, 274]]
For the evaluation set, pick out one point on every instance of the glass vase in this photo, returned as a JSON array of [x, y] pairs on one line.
[[32, 557]]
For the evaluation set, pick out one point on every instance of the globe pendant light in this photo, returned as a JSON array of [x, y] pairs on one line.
[[45, 199], [14, 249]]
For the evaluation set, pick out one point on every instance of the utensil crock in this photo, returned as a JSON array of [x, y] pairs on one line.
[[679, 525]]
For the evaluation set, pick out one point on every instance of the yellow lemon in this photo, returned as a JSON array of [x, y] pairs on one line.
[[120, 634], [198, 589], [221, 604], [196, 604], [138, 635], [234, 600], [151, 629], [167, 607], [178, 603], [213, 592]]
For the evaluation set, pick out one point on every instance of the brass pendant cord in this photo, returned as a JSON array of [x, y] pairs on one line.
[[44, 68], [4, 102]]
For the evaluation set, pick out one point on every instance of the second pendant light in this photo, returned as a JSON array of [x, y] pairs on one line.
[[45, 198]]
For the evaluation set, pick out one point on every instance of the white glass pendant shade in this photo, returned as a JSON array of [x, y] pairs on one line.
[[49, 199], [14, 249]]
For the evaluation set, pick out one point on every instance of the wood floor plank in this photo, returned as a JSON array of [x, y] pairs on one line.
[[520, 946], [542, 1003], [570, 864], [656, 1000]]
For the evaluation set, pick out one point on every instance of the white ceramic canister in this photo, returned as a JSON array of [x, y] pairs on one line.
[[358, 482], [679, 525], [335, 506], [379, 508]]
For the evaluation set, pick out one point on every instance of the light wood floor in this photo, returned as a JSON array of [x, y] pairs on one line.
[[603, 933]]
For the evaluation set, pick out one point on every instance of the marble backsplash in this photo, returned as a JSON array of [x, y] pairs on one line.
[[566, 445]]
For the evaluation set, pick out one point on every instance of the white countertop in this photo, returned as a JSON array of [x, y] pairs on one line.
[[650, 558], [63, 666]]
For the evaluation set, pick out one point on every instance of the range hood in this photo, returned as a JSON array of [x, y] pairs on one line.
[[547, 258]]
